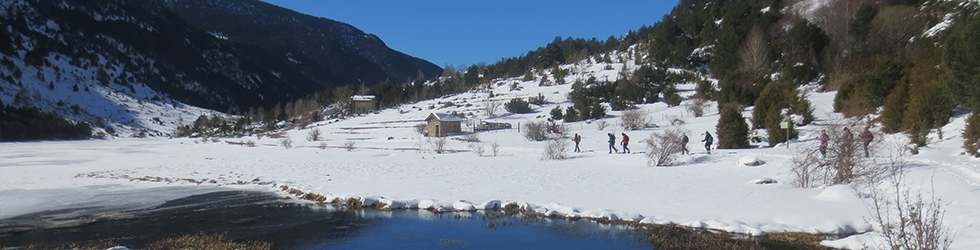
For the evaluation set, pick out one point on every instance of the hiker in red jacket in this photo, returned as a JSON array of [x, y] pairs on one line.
[[577, 139], [626, 143]]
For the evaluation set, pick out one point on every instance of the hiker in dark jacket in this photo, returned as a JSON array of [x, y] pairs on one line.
[[626, 143], [824, 138], [577, 139], [707, 141], [612, 143], [684, 141], [866, 137], [846, 137]]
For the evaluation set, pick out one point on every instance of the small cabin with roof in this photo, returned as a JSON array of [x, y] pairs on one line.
[[364, 103], [439, 125]]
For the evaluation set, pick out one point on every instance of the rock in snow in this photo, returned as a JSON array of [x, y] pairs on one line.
[[749, 161]]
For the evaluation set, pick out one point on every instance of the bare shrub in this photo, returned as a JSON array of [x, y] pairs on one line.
[[477, 148], [495, 147], [662, 148], [438, 144], [676, 121], [323, 145], [286, 142], [421, 144], [250, 143], [559, 130], [807, 168], [907, 220], [843, 162], [843, 156], [470, 138], [602, 125], [634, 119], [349, 145], [697, 106], [535, 130], [490, 106], [421, 128], [556, 149], [313, 135]]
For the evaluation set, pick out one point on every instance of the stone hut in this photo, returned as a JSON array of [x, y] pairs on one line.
[[439, 125], [364, 103]]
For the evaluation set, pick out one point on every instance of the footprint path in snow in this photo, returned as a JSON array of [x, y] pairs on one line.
[[968, 173]]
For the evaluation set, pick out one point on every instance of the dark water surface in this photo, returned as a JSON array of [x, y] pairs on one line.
[[243, 215]]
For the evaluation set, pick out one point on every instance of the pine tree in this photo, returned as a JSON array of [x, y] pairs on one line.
[[556, 113], [732, 130], [598, 111], [971, 135], [964, 64], [571, 115], [963, 86], [776, 95], [671, 97], [895, 107], [518, 105], [776, 133]]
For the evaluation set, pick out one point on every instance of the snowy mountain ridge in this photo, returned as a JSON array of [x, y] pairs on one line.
[[120, 64]]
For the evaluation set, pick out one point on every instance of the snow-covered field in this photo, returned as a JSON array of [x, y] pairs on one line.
[[393, 163]]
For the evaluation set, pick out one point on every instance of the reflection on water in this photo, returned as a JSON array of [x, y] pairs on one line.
[[288, 225]]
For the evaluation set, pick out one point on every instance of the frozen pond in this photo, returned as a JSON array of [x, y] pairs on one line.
[[248, 215]]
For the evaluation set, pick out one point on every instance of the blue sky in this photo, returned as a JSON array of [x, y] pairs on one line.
[[459, 32]]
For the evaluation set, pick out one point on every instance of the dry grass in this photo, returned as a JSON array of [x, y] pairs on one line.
[[206, 241], [198, 241], [354, 203], [314, 197], [74, 246]]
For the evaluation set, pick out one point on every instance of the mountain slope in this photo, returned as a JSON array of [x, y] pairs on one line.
[[132, 64], [327, 51]]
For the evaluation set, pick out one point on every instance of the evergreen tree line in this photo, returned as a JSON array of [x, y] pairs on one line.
[[30, 123], [872, 52]]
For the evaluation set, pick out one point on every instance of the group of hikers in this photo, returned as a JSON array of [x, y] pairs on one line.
[[708, 140], [846, 138]]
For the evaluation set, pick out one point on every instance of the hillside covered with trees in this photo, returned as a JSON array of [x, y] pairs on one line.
[[908, 65]]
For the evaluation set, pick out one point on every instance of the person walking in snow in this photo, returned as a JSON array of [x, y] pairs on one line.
[[866, 137], [846, 138], [824, 138], [707, 141], [626, 143], [684, 141], [577, 139], [612, 143]]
